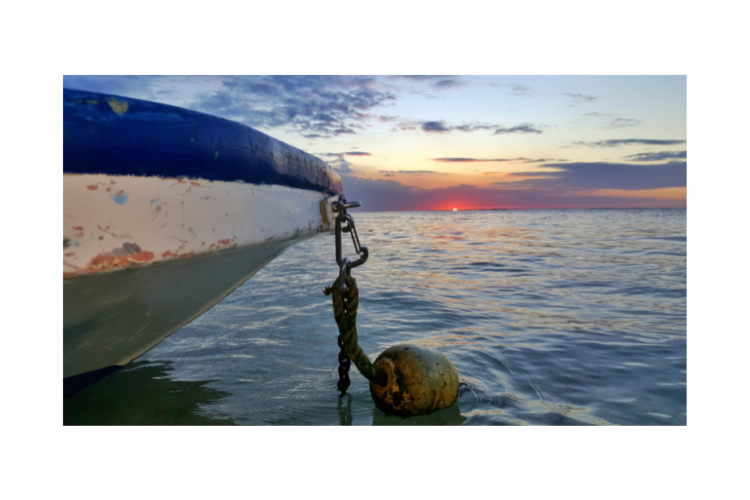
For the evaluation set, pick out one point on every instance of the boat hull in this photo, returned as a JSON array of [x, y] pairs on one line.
[[165, 212], [112, 318]]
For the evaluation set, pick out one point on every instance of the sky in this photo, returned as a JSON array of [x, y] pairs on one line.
[[468, 142]]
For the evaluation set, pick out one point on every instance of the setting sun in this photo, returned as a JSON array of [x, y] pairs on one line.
[[455, 209]]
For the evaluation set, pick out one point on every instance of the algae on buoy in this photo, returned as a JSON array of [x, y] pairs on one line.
[[420, 380]]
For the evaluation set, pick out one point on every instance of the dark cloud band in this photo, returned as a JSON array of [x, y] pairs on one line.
[[604, 175], [612, 143], [473, 160], [660, 156], [524, 128]]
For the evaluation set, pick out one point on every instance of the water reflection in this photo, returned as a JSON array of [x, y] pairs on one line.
[[345, 412], [448, 416], [143, 394]]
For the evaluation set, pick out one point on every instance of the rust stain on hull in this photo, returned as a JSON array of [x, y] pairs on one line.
[[108, 261], [128, 254]]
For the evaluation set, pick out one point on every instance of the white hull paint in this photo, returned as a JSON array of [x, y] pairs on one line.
[[144, 256], [117, 221]]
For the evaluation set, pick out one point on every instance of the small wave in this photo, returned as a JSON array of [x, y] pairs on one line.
[[498, 268]]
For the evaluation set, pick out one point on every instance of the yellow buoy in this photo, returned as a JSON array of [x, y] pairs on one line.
[[420, 380]]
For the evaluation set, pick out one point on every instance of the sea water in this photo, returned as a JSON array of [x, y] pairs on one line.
[[551, 317]]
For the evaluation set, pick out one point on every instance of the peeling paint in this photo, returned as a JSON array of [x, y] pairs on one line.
[[121, 197], [128, 254], [119, 107]]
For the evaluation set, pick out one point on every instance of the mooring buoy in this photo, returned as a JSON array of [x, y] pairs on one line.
[[420, 380], [406, 379]]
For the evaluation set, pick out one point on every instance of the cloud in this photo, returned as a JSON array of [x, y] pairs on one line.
[[466, 160], [339, 163], [472, 127], [580, 98], [604, 175], [422, 77], [523, 128], [660, 156], [435, 126], [437, 82], [471, 160], [440, 126], [313, 106], [448, 83], [414, 172], [622, 122], [612, 143], [515, 89], [343, 130], [613, 121]]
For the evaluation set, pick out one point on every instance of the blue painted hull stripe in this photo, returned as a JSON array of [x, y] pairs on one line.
[[107, 134]]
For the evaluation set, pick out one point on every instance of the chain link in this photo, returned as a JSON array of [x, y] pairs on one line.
[[345, 267]]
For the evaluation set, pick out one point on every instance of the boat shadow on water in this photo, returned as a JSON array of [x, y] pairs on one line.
[[143, 394]]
